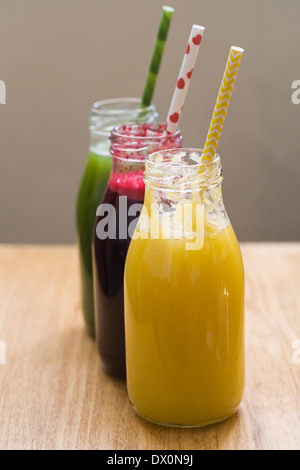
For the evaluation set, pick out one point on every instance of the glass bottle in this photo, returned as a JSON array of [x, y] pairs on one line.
[[116, 219], [104, 115], [184, 296]]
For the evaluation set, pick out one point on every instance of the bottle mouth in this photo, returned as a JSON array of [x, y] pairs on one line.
[[182, 168], [135, 132], [119, 106], [107, 114], [137, 140]]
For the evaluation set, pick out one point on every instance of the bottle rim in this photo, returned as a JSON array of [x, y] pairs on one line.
[[184, 169], [135, 141], [110, 113], [136, 130], [109, 106]]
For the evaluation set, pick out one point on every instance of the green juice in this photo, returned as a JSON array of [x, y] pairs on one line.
[[91, 190], [104, 116]]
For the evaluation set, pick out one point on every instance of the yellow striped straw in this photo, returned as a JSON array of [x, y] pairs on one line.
[[224, 96]]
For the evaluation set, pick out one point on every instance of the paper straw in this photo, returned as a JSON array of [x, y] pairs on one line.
[[184, 78], [167, 13], [221, 107]]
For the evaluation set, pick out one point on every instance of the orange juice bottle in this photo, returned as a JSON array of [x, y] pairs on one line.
[[184, 296]]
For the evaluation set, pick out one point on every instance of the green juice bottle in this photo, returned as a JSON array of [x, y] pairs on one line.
[[104, 116]]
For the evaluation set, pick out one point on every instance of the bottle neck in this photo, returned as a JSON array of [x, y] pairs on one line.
[[127, 177], [178, 180], [130, 145], [170, 201]]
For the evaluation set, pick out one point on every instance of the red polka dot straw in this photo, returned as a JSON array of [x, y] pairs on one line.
[[184, 78]]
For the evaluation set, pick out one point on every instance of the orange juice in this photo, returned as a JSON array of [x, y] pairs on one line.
[[184, 308]]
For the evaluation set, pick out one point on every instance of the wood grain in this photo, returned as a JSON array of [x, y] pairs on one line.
[[54, 394]]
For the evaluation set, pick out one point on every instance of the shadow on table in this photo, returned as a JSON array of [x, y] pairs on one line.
[[69, 380], [222, 435]]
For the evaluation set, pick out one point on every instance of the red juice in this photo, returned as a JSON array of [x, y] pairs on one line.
[[109, 258], [124, 195]]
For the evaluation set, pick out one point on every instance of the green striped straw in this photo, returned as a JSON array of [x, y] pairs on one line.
[[167, 13]]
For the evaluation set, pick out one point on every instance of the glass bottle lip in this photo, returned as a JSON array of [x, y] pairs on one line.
[[119, 106], [109, 113], [134, 141], [132, 131], [177, 168]]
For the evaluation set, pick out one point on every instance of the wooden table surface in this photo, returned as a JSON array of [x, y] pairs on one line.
[[54, 394]]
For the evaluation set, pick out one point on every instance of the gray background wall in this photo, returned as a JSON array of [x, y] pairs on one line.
[[59, 56]]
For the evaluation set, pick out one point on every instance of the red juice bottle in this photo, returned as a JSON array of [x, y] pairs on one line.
[[116, 218]]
